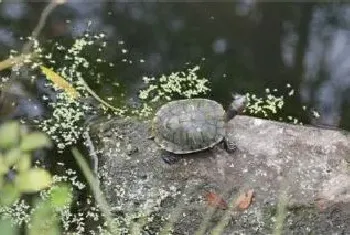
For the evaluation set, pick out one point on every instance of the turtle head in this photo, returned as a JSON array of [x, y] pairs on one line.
[[237, 106]]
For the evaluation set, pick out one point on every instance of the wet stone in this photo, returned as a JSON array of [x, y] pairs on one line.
[[307, 164]]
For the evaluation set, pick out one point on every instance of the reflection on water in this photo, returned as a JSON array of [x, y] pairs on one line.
[[242, 46]]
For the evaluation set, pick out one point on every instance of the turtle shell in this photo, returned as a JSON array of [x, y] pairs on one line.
[[188, 126]]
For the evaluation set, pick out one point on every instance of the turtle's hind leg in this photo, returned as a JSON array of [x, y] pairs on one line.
[[170, 158], [230, 146]]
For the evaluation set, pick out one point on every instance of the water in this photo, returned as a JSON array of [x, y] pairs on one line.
[[241, 46]]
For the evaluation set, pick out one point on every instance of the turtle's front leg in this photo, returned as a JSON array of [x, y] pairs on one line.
[[230, 146], [170, 158]]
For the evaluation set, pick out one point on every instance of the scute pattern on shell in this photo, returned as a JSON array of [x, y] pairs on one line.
[[187, 126]]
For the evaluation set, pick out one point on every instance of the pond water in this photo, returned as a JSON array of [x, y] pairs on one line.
[[241, 46]]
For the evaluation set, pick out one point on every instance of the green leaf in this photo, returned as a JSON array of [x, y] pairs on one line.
[[3, 167], [33, 180], [24, 163], [34, 141], [7, 228], [8, 194], [12, 157], [9, 134], [61, 196], [44, 220]]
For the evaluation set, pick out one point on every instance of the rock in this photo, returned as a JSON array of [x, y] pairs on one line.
[[305, 164]]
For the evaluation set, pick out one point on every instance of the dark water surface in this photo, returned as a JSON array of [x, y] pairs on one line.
[[248, 46]]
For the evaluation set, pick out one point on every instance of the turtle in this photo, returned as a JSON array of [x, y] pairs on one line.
[[193, 125]]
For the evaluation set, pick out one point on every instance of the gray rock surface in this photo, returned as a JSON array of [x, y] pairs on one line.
[[299, 174]]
